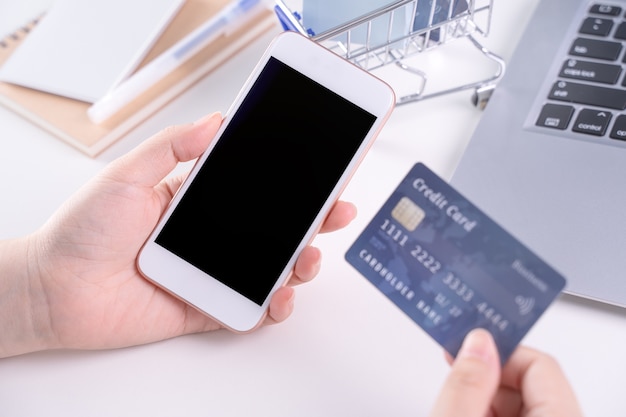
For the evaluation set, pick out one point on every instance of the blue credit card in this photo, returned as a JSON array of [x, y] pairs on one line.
[[450, 267]]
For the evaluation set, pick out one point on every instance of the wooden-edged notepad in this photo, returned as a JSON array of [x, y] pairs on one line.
[[67, 118]]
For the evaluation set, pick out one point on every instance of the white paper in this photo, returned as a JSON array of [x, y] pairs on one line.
[[83, 48]]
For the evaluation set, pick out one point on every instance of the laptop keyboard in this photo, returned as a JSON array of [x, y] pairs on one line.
[[589, 95]]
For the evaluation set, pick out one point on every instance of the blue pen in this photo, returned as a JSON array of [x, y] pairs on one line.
[[169, 60], [289, 20]]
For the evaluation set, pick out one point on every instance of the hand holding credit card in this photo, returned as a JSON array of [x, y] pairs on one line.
[[450, 267]]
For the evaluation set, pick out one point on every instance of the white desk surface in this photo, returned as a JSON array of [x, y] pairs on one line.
[[346, 351]]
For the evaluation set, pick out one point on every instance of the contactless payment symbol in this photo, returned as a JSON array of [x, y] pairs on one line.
[[408, 214], [525, 304]]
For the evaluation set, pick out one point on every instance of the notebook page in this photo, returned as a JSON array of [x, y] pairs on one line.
[[82, 49]]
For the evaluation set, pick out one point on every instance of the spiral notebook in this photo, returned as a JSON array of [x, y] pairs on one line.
[[67, 118]]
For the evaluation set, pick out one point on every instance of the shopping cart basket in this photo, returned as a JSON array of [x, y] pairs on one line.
[[432, 24]]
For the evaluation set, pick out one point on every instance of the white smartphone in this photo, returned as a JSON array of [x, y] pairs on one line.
[[258, 195]]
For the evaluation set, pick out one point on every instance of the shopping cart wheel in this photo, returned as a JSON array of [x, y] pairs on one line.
[[482, 94]]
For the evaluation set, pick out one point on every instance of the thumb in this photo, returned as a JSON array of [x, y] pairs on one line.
[[152, 160], [473, 379]]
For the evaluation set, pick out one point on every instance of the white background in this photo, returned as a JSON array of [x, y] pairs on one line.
[[346, 351]]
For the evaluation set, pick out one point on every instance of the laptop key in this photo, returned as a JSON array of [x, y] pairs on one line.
[[596, 48], [619, 128], [589, 94], [620, 32], [591, 71], [596, 26], [605, 9], [555, 116], [592, 122]]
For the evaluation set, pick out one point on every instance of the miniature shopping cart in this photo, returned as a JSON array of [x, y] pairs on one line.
[[398, 32]]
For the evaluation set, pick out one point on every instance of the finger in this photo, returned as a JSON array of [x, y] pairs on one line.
[[339, 217], [154, 159], [541, 380], [281, 305], [507, 402], [171, 186], [473, 379], [307, 266]]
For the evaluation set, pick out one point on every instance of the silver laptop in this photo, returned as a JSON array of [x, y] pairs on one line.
[[548, 158]]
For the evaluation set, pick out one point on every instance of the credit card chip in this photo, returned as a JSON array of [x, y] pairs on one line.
[[408, 214]]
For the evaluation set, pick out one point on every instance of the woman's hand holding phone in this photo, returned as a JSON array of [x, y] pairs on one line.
[[76, 278]]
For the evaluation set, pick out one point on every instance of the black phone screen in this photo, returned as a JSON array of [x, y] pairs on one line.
[[260, 189]]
